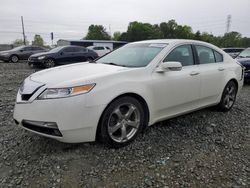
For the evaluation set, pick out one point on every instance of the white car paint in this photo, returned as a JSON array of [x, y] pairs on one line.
[[100, 50], [167, 94]]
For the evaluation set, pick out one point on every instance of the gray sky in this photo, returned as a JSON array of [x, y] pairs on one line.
[[69, 19]]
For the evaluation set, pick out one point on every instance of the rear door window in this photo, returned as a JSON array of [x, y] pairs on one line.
[[218, 56], [205, 54]]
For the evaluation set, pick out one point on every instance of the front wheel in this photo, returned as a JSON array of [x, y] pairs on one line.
[[228, 97], [49, 63], [14, 59], [121, 122]]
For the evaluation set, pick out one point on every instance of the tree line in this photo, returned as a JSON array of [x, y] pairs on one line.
[[137, 31]]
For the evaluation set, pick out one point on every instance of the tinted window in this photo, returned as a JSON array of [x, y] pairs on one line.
[[69, 49], [37, 48], [83, 49], [27, 49], [218, 57], [98, 48], [205, 55], [182, 54]]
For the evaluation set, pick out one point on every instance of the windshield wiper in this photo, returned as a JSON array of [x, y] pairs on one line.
[[111, 63]]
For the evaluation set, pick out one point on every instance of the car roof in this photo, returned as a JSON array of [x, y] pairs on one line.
[[73, 46], [170, 41], [233, 48]]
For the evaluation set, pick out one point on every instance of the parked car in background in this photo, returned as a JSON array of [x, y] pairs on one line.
[[114, 98], [233, 52], [100, 50], [62, 55], [20, 53], [244, 59]]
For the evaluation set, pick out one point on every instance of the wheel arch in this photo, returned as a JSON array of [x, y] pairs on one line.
[[13, 55], [130, 94], [235, 81]]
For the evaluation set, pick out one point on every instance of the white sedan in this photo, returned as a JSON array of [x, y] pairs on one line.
[[100, 50], [116, 97]]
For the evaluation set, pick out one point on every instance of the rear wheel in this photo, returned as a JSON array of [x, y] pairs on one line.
[[228, 97], [121, 122], [14, 58], [49, 63]]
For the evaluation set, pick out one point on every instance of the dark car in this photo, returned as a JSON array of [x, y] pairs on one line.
[[62, 55], [20, 53], [244, 59], [233, 52]]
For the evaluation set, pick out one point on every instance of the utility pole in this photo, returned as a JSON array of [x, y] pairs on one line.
[[228, 24], [52, 37], [24, 41], [110, 31]]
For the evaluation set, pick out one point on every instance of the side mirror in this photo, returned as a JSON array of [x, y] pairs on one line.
[[169, 66], [61, 53]]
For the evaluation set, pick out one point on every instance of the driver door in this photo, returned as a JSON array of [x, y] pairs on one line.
[[177, 91]]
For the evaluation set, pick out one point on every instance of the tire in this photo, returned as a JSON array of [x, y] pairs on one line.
[[121, 122], [90, 59], [49, 63], [31, 65], [14, 58], [228, 97]]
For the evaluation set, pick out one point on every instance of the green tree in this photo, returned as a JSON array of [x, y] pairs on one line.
[[117, 35], [19, 42], [142, 31], [38, 41], [97, 32], [231, 39], [169, 29], [184, 32]]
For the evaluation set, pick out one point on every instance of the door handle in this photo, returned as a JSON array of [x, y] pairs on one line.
[[221, 69], [194, 73]]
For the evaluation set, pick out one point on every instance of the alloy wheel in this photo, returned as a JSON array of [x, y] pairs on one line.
[[14, 59], [49, 63], [124, 122], [229, 97]]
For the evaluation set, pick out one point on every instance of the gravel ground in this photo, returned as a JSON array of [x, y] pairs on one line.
[[201, 149]]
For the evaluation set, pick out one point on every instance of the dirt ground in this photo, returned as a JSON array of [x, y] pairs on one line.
[[202, 149]]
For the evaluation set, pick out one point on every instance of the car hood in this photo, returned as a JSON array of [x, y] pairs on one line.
[[243, 60], [40, 54], [6, 51], [74, 74]]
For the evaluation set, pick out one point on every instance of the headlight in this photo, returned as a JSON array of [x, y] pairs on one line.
[[5, 53], [41, 57], [53, 93]]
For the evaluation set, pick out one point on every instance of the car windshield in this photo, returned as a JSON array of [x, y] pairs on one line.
[[133, 55], [244, 53], [57, 49]]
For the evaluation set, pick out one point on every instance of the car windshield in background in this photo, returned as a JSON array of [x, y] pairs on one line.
[[57, 49], [133, 55], [245, 53]]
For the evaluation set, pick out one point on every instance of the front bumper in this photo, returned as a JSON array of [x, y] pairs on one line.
[[36, 62], [4, 58], [247, 75], [75, 122]]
